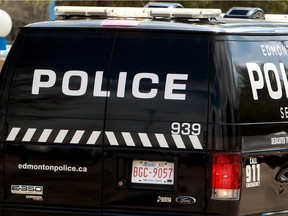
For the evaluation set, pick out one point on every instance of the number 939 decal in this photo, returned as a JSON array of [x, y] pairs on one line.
[[185, 128]]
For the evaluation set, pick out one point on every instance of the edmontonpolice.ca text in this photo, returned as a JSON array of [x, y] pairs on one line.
[[54, 168], [174, 89]]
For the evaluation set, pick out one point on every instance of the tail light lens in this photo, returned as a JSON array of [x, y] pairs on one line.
[[226, 173]]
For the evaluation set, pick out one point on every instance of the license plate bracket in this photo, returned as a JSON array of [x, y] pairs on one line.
[[153, 172]]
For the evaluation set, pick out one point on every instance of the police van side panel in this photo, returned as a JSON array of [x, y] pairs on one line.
[[154, 149], [255, 118], [54, 123], [89, 129]]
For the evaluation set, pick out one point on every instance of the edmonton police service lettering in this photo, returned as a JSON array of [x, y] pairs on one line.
[[271, 75], [173, 82]]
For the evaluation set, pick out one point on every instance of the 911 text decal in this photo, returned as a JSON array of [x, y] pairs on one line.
[[46, 79], [252, 173]]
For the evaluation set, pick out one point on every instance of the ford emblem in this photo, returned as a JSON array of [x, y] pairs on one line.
[[186, 200]]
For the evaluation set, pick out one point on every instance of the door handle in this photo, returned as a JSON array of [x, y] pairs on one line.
[[283, 176]]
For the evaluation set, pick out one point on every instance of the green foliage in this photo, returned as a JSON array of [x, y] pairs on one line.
[[272, 6], [36, 2]]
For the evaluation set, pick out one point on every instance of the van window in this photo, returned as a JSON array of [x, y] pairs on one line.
[[159, 85], [261, 68], [159, 77], [61, 74]]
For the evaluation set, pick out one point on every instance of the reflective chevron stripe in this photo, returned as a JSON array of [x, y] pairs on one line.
[[147, 140]]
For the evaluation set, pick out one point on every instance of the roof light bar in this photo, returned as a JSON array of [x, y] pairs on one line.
[[79, 11], [137, 12], [276, 17], [188, 13]]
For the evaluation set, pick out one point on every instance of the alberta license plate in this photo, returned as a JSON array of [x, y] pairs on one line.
[[152, 172]]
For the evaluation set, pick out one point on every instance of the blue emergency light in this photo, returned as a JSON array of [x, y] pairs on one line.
[[2, 43]]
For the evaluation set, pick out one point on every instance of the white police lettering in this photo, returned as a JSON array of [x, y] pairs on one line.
[[170, 86], [269, 75], [37, 83], [136, 85], [45, 79], [98, 86], [83, 83], [121, 84]]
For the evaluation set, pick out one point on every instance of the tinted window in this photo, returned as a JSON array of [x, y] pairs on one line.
[[261, 68], [55, 74], [160, 77]]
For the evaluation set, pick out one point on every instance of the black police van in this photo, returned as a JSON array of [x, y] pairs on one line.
[[145, 112]]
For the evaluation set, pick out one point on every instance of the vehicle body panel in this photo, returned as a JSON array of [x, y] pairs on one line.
[[81, 102]]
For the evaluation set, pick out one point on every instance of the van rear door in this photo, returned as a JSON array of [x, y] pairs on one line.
[[54, 122], [154, 143]]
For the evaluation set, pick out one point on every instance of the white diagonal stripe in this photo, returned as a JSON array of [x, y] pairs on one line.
[[145, 140], [93, 138], [111, 138], [29, 134], [195, 142], [178, 141], [77, 137], [61, 136], [128, 139], [13, 133], [162, 141], [45, 135]]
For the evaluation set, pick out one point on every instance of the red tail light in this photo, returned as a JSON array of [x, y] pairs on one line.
[[226, 172]]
